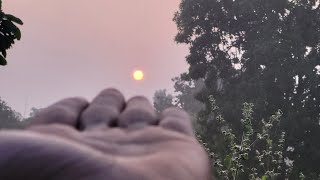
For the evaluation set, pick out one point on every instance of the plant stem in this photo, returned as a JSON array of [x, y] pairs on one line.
[[238, 161]]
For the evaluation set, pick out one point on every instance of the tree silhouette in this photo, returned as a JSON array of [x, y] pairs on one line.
[[9, 32], [9, 119]]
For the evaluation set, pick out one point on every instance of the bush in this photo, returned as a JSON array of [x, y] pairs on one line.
[[257, 154]]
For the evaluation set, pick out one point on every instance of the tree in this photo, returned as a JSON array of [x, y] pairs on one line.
[[26, 121], [185, 94], [264, 52], [9, 32], [9, 119], [162, 100], [184, 98]]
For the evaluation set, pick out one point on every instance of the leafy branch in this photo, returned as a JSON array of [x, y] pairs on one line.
[[256, 144], [9, 32]]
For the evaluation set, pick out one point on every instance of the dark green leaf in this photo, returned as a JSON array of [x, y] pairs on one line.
[[4, 53], [12, 28], [228, 160], [14, 19], [3, 61]]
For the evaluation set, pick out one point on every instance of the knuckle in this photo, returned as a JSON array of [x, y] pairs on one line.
[[136, 116], [97, 114]]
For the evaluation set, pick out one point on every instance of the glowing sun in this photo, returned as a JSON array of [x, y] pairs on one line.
[[138, 75]]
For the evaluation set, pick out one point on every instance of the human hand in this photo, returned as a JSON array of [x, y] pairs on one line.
[[108, 139]]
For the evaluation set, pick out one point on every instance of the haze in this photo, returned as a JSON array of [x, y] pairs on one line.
[[78, 47]]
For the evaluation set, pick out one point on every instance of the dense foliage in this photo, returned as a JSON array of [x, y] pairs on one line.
[[265, 52], [262, 146], [9, 119], [184, 96], [9, 32]]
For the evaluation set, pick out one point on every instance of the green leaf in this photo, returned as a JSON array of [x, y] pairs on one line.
[[5, 42], [264, 177], [227, 160], [14, 19], [3, 61], [17, 33], [269, 141]]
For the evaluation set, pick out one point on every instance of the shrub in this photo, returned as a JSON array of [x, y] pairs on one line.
[[257, 154]]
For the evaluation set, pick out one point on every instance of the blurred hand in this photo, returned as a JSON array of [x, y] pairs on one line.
[[108, 139]]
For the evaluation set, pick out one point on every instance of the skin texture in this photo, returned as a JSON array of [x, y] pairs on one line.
[[107, 139]]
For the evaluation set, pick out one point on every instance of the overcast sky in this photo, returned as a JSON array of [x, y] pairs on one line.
[[79, 47]]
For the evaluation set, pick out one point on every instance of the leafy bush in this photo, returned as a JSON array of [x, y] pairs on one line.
[[264, 146], [9, 119]]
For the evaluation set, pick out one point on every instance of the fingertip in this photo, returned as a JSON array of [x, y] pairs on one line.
[[103, 110], [138, 112], [65, 111], [177, 120], [110, 96], [138, 100]]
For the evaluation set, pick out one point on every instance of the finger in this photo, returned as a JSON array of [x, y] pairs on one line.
[[66, 112], [138, 113], [177, 120], [104, 110]]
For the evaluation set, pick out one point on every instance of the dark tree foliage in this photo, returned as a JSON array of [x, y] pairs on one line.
[[265, 52], [9, 32], [9, 119], [185, 94], [184, 97]]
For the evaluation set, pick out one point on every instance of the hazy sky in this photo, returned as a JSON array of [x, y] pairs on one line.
[[79, 47]]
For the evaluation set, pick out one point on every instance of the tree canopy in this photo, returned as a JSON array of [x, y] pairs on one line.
[[162, 100], [264, 52], [9, 119], [9, 32], [185, 92]]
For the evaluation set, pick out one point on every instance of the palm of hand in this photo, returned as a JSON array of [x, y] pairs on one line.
[[107, 139]]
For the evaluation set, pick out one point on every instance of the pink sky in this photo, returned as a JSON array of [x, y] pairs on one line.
[[78, 47]]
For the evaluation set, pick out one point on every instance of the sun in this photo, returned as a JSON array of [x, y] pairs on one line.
[[138, 75]]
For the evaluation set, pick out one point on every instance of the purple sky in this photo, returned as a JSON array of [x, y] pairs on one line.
[[79, 47]]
